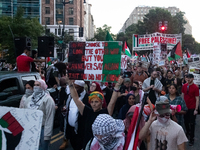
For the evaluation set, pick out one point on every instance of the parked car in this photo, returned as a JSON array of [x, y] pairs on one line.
[[12, 86]]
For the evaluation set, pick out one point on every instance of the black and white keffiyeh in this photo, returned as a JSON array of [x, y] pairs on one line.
[[110, 130], [36, 100]]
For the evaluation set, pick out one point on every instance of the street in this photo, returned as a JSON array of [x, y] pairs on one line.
[[57, 139]]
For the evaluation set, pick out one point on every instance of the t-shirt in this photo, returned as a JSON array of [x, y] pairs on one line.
[[190, 92], [166, 137], [24, 63], [89, 116]]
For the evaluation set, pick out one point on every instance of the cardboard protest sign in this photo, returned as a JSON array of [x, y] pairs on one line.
[[76, 60], [20, 129], [196, 72], [93, 60], [86, 60], [112, 61], [145, 65], [156, 53], [124, 59]]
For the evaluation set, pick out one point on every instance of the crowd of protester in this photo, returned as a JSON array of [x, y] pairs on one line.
[[99, 116]]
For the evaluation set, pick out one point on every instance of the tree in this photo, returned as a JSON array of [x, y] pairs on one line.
[[100, 34], [21, 27]]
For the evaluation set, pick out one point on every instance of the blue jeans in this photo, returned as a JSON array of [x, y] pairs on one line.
[[44, 144]]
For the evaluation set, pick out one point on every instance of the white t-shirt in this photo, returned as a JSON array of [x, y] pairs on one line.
[[166, 137]]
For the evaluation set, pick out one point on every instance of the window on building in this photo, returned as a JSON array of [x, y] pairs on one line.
[[55, 31], [59, 10], [47, 20], [59, 20], [71, 21], [71, 1], [47, 1], [59, 31], [71, 11], [47, 10], [71, 32], [59, 1]]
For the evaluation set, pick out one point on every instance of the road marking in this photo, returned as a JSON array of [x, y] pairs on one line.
[[53, 141], [56, 135]]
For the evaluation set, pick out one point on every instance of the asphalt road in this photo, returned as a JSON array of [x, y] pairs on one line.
[[57, 139]]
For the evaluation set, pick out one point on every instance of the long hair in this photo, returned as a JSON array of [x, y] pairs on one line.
[[176, 87]]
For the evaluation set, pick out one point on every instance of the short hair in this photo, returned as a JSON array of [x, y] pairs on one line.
[[169, 71], [30, 82], [136, 82], [27, 48]]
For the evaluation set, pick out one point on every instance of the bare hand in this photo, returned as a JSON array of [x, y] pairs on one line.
[[55, 86], [195, 112], [120, 80], [152, 116], [124, 94]]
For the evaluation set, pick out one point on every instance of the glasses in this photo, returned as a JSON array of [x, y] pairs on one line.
[[163, 115]]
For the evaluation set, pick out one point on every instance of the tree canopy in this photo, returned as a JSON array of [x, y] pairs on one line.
[[150, 24], [21, 27]]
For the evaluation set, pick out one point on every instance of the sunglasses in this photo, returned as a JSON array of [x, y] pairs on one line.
[[163, 115]]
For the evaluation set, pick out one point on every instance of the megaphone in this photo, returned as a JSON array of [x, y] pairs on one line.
[[175, 107]]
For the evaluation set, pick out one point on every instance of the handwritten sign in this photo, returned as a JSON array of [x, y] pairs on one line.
[[76, 60], [124, 59], [94, 52], [20, 128]]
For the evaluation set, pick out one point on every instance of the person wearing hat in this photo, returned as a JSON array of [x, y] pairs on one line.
[[24, 61], [163, 132], [90, 113], [190, 93], [74, 126]]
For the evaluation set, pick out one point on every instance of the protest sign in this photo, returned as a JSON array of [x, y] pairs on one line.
[[156, 53], [124, 59], [112, 61], [145, 65], [88, 58], [76, 60], [20, 129], [196, 72], [146, 41]]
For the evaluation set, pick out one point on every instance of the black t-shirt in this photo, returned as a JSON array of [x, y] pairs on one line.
[[88, 117], [152, 95]]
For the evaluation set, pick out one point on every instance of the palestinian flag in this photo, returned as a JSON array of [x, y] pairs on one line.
[[176, 52], [133, 135], [48, 61], [126, 50]]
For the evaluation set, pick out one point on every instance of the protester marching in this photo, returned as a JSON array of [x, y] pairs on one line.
[[105, 99]]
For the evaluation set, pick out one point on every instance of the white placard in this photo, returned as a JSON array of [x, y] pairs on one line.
[[20, 128]]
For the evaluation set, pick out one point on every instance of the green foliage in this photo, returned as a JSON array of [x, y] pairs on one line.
[[150, 25], [21, 27], [100, 34]]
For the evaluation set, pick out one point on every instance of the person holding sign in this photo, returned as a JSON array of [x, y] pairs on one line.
[[90, 114]]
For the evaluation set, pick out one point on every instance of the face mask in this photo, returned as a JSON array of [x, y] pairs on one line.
[[162, 120], [134, 88], [105, 140], [37, 90], [28, 92]]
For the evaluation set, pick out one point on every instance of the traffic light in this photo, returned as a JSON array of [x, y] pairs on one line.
[[81, 32], [163, 28]]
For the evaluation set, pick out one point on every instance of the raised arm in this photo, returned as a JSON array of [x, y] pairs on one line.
[[75, 97], [114, 97]]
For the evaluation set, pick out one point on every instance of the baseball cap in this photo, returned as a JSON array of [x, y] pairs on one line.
[[162, 107]]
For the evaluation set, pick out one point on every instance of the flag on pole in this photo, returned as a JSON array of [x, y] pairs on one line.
[[176, 52], [188, 54], [126, 49], [108, 37], [48, 61], [133, 135]]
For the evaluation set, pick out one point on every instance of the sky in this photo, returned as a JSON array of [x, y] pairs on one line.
[[115, 12]]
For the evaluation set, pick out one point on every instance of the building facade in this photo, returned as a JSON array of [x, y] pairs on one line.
[[88, 22], [52, 15], [139, 12], [31, 7]]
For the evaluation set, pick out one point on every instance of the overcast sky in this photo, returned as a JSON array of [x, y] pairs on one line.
[[115, 12]]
